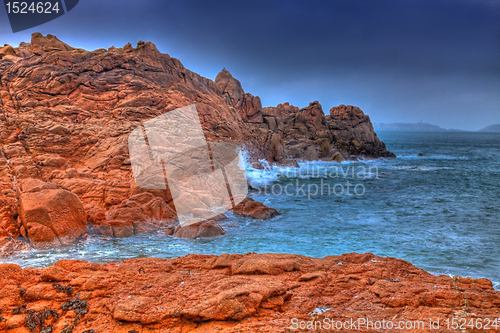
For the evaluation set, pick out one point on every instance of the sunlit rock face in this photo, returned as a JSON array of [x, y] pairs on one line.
[[235, 293]]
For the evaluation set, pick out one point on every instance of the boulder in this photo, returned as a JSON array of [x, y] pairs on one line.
[[255, 210], [8, 246], [337, 157], [205, 229], [51, 215], [140, 213]]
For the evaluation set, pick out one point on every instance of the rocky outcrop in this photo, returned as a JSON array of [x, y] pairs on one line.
[[307, 134], [66, 114], [248, 106], [285, 132], [236, 293], [50, 43], [353, 132], [7, 50]]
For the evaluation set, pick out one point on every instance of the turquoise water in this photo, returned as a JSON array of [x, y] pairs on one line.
[[440, 211]]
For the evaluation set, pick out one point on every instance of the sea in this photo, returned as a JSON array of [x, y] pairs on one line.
[[436, 205]]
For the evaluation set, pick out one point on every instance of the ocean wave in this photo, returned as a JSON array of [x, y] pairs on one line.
[[418, 168], [308, 170], [258, 177], [360, 170], [432, 157]]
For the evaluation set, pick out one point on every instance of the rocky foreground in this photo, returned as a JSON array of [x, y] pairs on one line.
[[236, 293]]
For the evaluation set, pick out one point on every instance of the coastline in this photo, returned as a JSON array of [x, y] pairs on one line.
[[233, 292], [65, 153], [69, 141]]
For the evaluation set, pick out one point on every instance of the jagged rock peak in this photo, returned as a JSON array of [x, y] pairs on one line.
[[41, 44], [314, 109], [49, 43], [248, 106], [345, 110], [227, 83]]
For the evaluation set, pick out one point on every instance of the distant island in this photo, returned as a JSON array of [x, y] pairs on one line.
[[489, 129], [412, 127]]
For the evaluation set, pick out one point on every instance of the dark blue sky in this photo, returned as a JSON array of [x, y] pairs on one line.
[[399, 60]]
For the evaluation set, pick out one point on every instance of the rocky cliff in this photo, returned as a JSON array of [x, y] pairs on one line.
[[66, 113], [286, 133]]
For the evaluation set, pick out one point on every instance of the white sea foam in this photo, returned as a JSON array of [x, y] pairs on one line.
[[258, 177], [308, 170]]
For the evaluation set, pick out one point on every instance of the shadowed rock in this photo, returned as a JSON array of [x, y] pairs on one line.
[[248, 106], [140, 213], [254, 209], [353, 132]]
